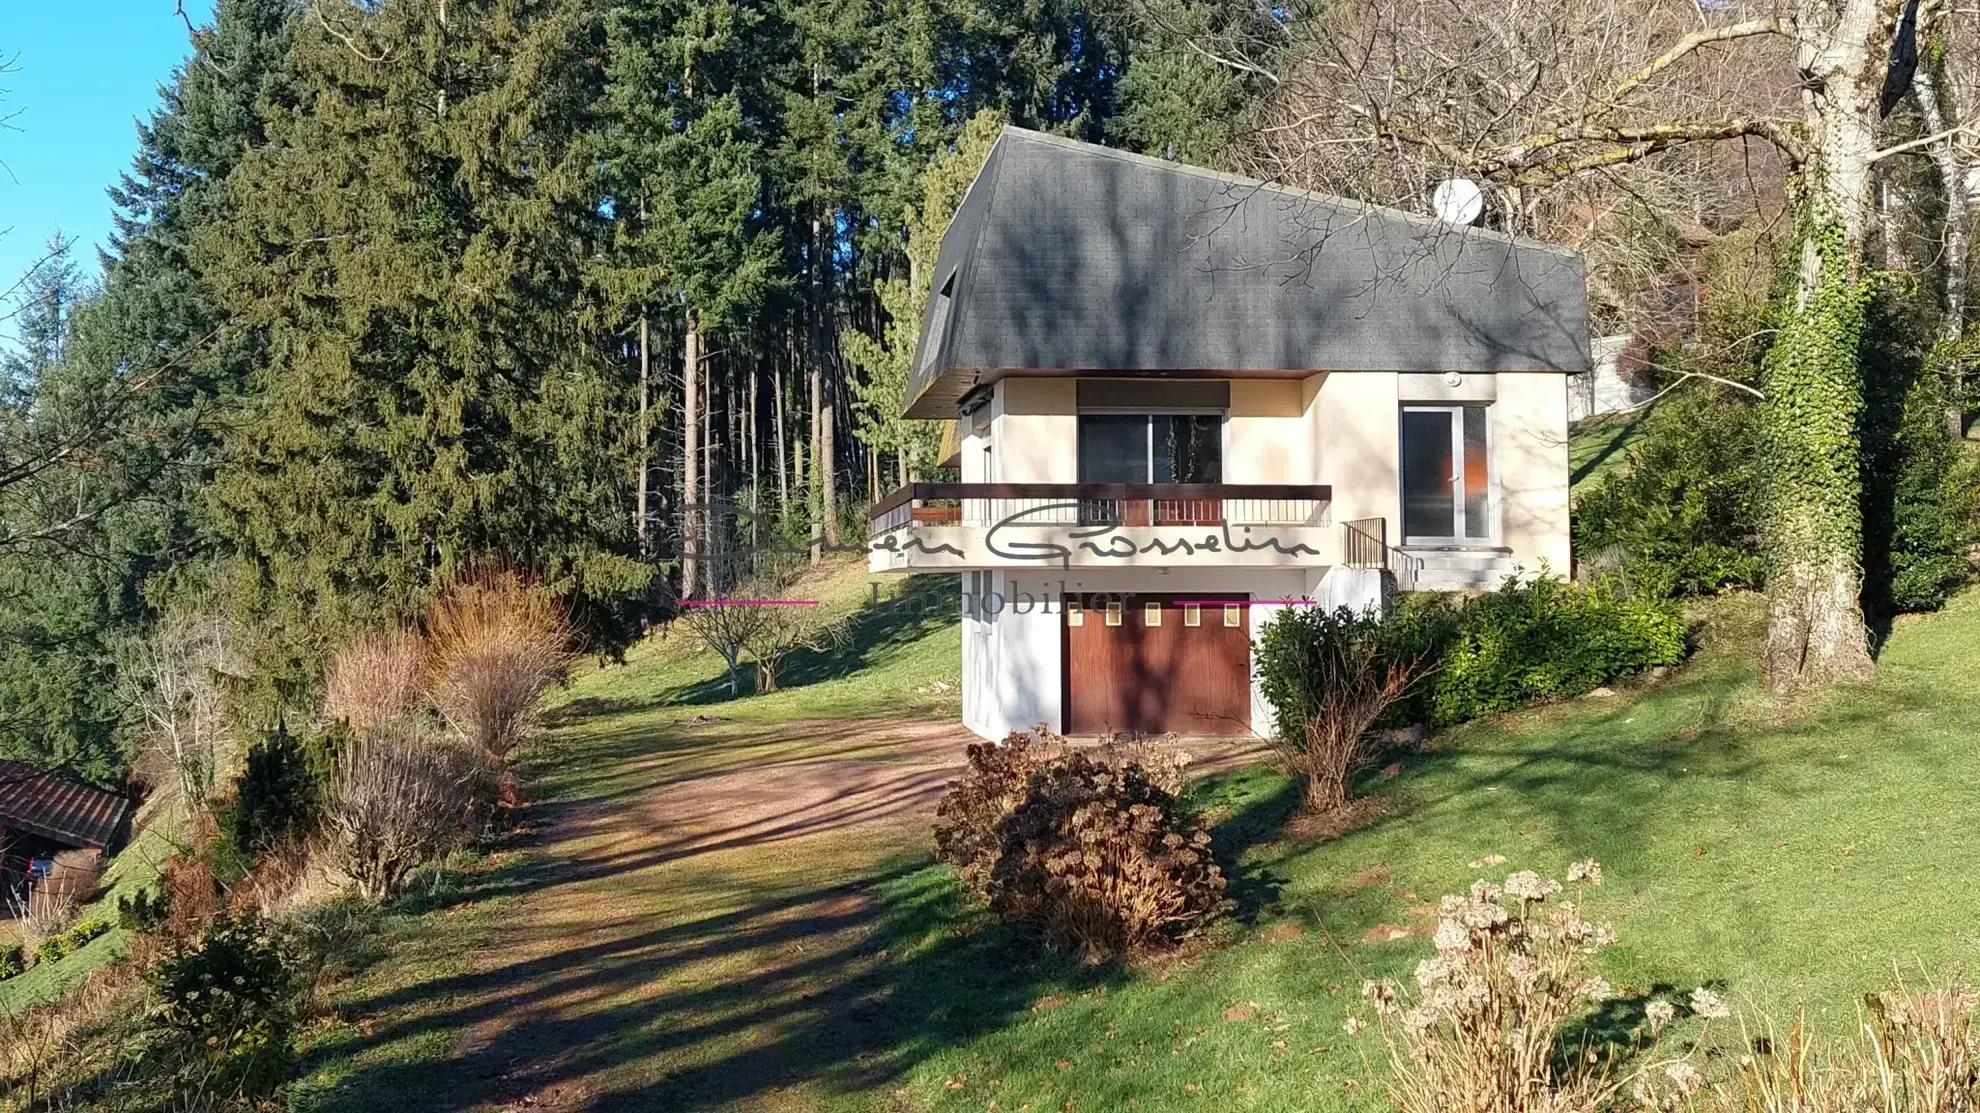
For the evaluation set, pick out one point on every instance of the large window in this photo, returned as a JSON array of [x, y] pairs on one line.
[[1151, 448], [1446, 474]]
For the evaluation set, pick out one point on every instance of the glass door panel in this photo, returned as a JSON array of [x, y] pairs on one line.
[[1429, 473], [1477, 479], [1113, 448]]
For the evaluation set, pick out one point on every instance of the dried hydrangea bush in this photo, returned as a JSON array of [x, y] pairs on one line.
[[1487, 1028], [1482, 1030]]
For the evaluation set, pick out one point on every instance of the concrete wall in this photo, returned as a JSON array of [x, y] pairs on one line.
[[1530, 446], [1038, 432], [1354, 425], [1265, 437]]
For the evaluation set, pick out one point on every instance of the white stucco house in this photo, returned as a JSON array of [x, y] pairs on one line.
[[1185, 401]]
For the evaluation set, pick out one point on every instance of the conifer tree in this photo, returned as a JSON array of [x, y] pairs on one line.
[[414, 241], [126, 382], [888, 362], [684, 141]]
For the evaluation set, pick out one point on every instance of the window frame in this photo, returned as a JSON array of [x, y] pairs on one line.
[[1148, 414], [1492, 535]]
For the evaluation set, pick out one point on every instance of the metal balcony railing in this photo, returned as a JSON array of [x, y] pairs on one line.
[[1061, 505]]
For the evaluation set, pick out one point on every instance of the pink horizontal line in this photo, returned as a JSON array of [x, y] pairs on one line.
[[749, 602], [1239, 602]]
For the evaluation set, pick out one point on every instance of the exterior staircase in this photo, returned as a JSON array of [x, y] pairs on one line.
[[1455, 569]]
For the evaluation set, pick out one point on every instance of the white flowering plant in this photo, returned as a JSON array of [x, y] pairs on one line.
[[1482, 1029]]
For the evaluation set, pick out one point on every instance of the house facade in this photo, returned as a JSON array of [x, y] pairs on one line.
[[1184, 402]]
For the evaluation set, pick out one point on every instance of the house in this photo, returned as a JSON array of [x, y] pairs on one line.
[[1185, 401], [55, 833]]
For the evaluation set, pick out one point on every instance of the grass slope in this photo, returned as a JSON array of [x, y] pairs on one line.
[[902, 655], [1597, 445], [1782, 854], [1784, 859]]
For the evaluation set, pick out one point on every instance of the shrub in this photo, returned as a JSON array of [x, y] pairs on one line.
[[402, 798], [13, 960], [375, 679], [1914, 1052], [232, 995], [144, 910], [1921, 492], [1482, 1033], [1544, 639], [1681, 515], [1100, 860], [497, 645], [275, 796], [1330, 676], [63, 944], [969, 820]]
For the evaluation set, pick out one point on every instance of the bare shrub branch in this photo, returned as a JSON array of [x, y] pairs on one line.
[[495, 646], [375, 679], [403, 797]]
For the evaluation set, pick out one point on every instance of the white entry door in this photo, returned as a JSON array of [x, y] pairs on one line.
[[1446, 475]]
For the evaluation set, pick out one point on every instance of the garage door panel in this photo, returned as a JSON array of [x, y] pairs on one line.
[[1159, 676]]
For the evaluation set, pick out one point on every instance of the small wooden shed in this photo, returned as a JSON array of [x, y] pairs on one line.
[[56, 834]]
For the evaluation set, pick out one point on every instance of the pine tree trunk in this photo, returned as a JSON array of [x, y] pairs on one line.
[[1813, 518], [820, 435], [691, 513], [711, 522], [755, 453], [640, 518], [1940, 114], [783, 452]]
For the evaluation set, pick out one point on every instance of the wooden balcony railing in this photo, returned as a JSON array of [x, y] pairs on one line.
[[1103, 504]]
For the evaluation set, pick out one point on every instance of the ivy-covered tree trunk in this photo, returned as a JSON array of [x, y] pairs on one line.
[[1813, 509]]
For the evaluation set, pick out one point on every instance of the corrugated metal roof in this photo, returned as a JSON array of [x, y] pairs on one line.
[[60, 808], [1070, 257]]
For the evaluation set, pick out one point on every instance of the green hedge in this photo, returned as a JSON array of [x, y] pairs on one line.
[[1546, 639], [1528, 642], [63, 944]]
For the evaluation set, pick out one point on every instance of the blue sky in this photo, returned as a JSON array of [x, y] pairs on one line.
[[85, 71]]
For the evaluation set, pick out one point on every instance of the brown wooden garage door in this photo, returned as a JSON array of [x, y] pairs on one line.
[[1149, 670]]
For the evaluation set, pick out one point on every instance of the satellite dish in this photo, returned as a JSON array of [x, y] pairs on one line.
[[1458, 201]]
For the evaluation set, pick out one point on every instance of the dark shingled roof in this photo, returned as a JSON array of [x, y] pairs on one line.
[[58, 808], [1068, 257]]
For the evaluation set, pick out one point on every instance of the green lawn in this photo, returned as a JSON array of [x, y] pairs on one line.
[[902, 655], [1599, 444], [1785, 859], [1782, 853]]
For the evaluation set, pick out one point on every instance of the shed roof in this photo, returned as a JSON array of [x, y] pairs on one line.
[[1068, 257], [60, 808]]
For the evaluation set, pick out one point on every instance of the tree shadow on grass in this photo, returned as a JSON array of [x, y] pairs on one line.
[[1245, 808], [841, 987], [925, 604]]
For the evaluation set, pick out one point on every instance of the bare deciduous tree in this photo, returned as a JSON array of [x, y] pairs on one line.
[[1544, 102], [175, 683], [727, 626], [785, 629]]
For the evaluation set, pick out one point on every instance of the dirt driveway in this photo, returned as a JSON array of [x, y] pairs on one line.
[[693, 927]]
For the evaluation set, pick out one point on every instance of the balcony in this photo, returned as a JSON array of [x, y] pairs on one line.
[[947, 526]]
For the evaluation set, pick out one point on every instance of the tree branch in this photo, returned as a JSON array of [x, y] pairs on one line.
[[1926, 140], [1690, 44]]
